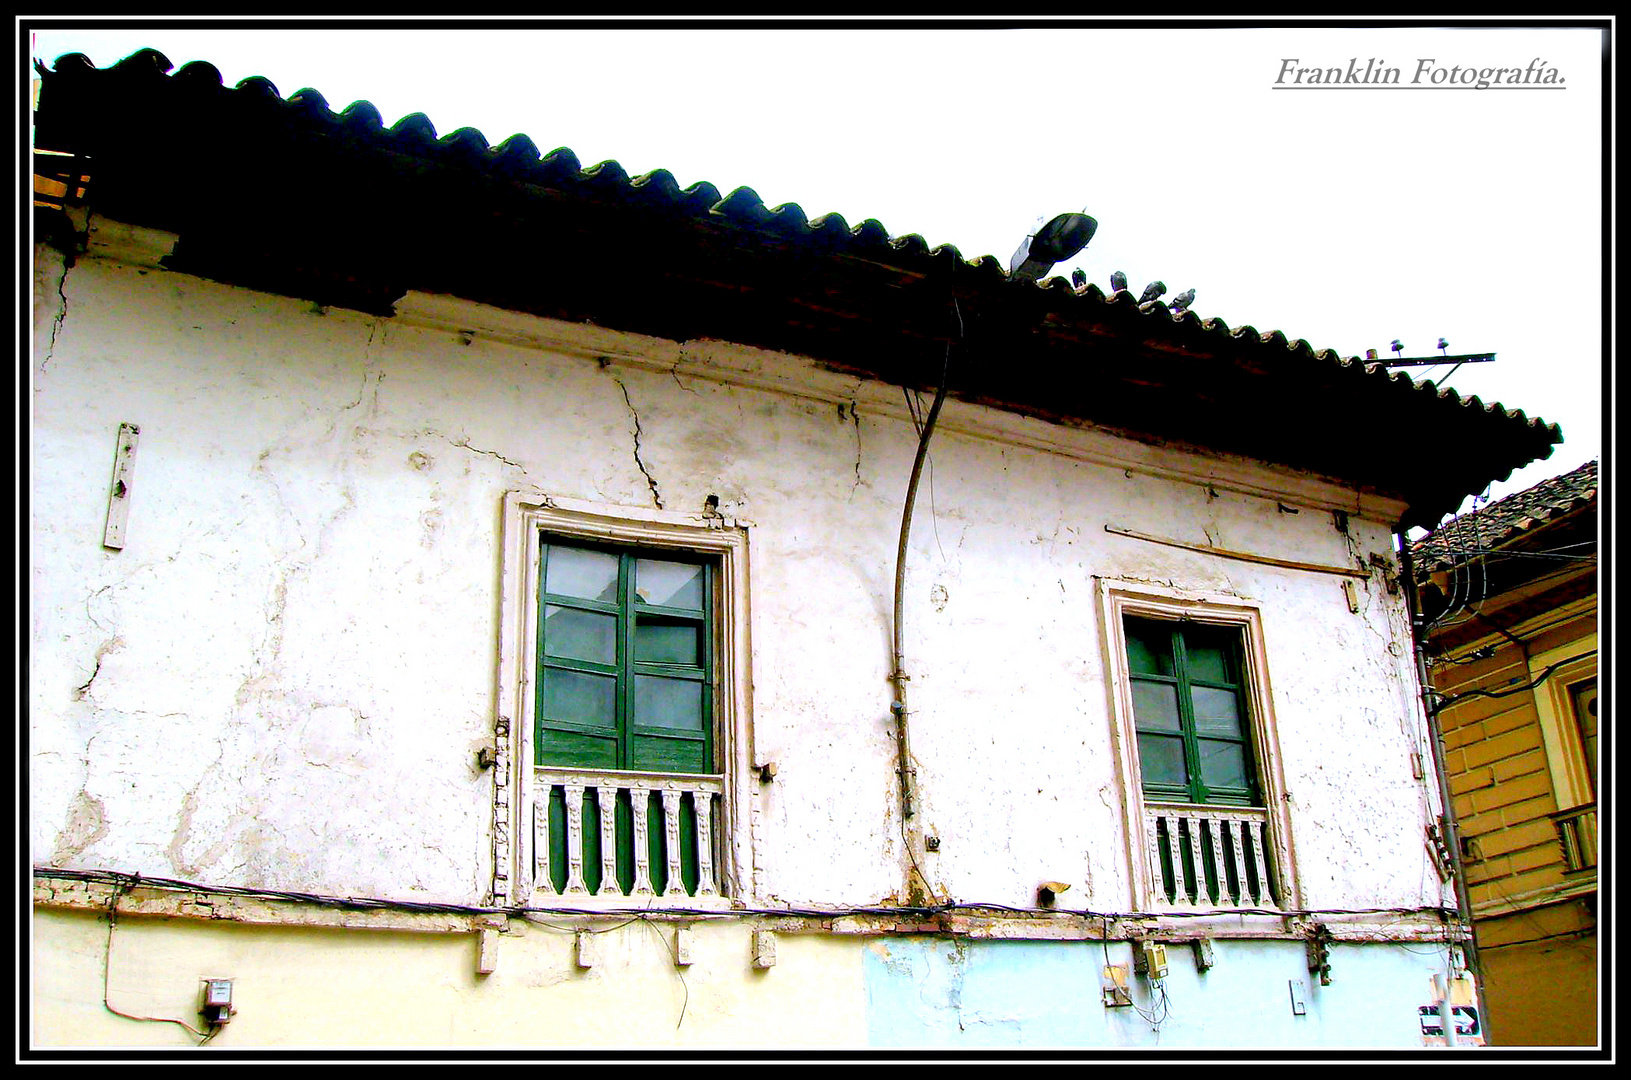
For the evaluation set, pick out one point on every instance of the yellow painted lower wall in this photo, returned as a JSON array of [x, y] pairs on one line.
[[1540, 993], [305, 987], [321, 988]]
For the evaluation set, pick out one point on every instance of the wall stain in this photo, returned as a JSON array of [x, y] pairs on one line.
[[87, 823]]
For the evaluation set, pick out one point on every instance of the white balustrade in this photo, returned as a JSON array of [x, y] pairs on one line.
[[1236, 837], [660, 817]]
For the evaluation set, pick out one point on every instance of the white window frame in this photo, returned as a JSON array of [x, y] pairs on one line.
[[527, 517], [1572, 783], [1120, 599]]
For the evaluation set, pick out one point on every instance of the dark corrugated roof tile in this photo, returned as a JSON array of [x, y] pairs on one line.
[[415, 131], [362, 116], [199, 73], [258, 86]]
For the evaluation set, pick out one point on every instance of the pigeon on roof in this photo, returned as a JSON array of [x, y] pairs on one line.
[[1078, 278], [1181, 302], [1118, 282], [1153, 291]]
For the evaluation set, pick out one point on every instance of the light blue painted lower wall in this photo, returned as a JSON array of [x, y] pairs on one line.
[[935, 992]]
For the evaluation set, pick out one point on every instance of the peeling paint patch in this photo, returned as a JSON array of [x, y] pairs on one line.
[[87, 823]]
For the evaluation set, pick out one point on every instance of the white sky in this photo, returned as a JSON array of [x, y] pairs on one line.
[[1346, 217]]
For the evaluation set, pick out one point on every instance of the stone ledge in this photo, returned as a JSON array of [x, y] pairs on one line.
[[161, 901]]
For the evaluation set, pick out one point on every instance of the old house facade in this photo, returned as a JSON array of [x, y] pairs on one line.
[[1510, 594], [477, 646]]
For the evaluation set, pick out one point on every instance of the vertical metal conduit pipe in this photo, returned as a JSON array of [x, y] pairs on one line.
[[897, 675], [1447, 822]]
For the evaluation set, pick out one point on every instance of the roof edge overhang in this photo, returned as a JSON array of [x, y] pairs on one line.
[[290, 197]]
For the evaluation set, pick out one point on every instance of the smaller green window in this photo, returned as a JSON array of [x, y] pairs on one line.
[[1189, 712], [625, 659]]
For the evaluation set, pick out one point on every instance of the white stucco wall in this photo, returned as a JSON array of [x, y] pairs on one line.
[[283, 678]]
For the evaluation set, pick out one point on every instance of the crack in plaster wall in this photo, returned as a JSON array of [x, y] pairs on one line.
[[656, 495], [272, 644], [112, 644], [61, 315], [855, 416], [465, 445]]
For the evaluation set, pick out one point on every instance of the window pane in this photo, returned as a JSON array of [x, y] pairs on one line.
[[580, 635], [1207, 653], [1161, 759], [668, 703], [1149, 648], [668, 584], [1155, 706], [1223, 764], [571, 571], [1217, 712], [667, 641], [579, 697]]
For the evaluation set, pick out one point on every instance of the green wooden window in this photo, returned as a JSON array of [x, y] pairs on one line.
[[625, 659], [1190, 713]]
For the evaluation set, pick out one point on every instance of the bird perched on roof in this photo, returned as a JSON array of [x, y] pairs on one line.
[[1153, 291], [1118, 282], [1078, 278], [1181, 302]]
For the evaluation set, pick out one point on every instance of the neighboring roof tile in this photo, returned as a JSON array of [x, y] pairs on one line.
[[1506, 518], [771, 241]]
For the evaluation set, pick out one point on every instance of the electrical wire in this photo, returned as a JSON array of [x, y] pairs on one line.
[[107, 964], [1505, 553], [675, 956], [1444, 702], [1572, 935]]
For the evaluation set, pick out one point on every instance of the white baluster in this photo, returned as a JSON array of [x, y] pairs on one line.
[[606, 803], [671, 834], [1243, 889], [1153, 848], [1259, 833], [640, 803], [574, 839], [1201, 898], [540, 840], [1218, 869], [1179, 886], [703, 803]]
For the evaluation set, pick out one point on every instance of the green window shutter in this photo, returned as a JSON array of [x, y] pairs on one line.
[[625, 659], [1190, 712]]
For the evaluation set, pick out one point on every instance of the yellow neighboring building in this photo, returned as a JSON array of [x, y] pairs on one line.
[[1510, 598]]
